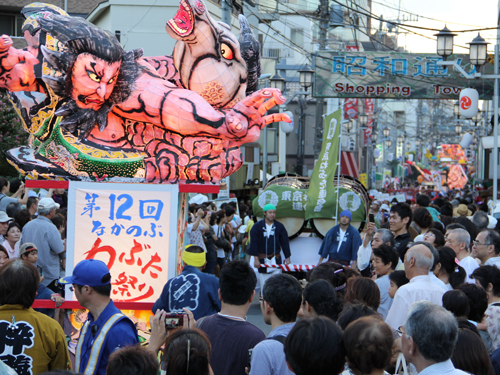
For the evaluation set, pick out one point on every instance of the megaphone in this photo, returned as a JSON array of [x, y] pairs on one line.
[[466, 140], [469, 102]]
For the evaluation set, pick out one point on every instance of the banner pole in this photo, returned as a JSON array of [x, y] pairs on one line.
[[339, 163]]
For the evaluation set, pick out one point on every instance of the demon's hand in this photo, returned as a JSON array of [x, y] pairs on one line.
[[16, 67], [246, 119]]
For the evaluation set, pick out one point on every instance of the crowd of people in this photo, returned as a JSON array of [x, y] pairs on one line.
[[417, 292]]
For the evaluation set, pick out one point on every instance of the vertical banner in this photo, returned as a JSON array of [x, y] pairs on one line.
[[363, 178], [351, 108], [321, 182], [369, 124], [130, 227]]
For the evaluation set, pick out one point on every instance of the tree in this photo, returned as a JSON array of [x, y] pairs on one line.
[[12, 134]]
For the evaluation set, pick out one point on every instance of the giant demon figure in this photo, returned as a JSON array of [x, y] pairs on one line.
[[95, 111]]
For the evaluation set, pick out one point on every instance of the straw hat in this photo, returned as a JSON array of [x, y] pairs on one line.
[[462, 210]]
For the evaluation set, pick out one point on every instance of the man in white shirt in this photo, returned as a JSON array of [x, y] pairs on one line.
[[459, 240], [428, 338], [418, 262], [487, 248]]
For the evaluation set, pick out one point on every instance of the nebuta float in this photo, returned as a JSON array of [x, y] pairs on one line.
[[97, 112]]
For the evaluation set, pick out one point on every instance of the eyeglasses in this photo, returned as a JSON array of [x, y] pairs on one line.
[[477, 243], [400, 331]]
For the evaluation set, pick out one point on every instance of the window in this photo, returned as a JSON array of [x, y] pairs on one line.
[[297, 36], [11, 24]]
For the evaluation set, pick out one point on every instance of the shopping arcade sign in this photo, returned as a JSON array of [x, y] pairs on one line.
[[393, 75]]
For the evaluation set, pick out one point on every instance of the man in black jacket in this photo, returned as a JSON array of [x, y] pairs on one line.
[[267, 238]]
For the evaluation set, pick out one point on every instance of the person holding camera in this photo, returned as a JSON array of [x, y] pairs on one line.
[[192, 289], [106, 328]]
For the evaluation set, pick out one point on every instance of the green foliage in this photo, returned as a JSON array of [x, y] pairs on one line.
[[12, 134]]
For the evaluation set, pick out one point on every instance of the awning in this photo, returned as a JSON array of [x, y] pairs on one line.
[[348, 165]]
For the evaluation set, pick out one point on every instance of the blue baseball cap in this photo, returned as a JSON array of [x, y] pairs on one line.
[[91, 272], [346, 213]]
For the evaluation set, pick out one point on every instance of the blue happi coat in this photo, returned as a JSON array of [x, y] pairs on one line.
[[350, 244]]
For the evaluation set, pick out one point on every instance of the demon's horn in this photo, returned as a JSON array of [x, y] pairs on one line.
[[250, 51], [56, 59]]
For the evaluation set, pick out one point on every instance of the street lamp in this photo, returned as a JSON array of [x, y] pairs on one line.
[[408, 145], [374, 137], [386, 132], [400, 138], [306, 77], [478, 53], [417, 143], [456, 109], [458, 129], [388, 143], [348, 125], [278, 82], [363, 119], [476, 118], [445, 42], [478, 56]]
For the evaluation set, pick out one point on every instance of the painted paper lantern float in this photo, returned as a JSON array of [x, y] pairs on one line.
[[97, 112]]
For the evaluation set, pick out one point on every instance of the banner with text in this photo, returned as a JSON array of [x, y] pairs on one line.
[[394, 75], [289, 201], [131, 228], [321, 183]]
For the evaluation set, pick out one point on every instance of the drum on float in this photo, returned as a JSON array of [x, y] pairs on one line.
[[293, 225], [322, 226]]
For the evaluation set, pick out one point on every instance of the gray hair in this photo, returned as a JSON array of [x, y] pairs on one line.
[[44, 211], [433, 329], [387, 236], [481, 220], [493, 238], [435, 253], [462, 236], [421, 260]]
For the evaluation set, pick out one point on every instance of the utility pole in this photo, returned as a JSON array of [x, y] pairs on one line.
[[323, 33]]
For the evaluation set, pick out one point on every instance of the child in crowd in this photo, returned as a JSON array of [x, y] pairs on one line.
[[398, 279]]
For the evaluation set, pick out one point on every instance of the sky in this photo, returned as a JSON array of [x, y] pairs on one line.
[[456, 14]]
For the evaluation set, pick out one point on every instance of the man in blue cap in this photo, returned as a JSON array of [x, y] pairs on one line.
[[267, 238], [341, 243], [106, 328]]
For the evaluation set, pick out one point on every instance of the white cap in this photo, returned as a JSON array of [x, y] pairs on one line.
[[47, 204], [4, 218]]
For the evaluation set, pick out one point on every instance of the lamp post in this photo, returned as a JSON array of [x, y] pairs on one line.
[[363, 121], [478, 57], [348, 126], [445, 42], [477, 118], [456, 109], [306, 81]]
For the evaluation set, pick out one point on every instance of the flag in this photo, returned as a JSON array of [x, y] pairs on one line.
[[321, 186]]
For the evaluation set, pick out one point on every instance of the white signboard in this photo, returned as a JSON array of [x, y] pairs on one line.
[[130, 227]]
